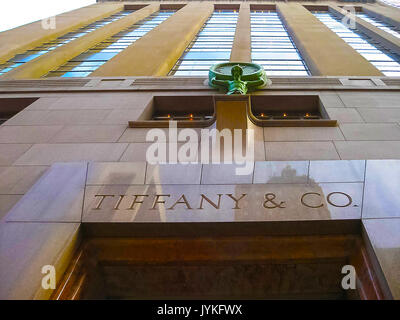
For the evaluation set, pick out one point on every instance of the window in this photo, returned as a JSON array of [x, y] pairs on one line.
[[380, 24], [383, 59], [394, 3], [20, 59], [213, 44], [87, 62], [272, 47], [9, 107]]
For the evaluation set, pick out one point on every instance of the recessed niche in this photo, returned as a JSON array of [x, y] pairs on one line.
[[9, 107], [187, 111], [289, 111]]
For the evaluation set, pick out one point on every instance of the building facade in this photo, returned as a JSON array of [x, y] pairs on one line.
[[99, 187]]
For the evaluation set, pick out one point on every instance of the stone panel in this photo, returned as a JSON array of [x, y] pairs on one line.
[[25, 248], [51, 201], [382, 186], [46, 154], [226, 203], [353, 150], [300, 151]]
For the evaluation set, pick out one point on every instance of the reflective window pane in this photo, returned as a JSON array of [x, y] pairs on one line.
[[380, 24], [213, 44], [53, 44], [87, 62], [383, 59], [272, 47]]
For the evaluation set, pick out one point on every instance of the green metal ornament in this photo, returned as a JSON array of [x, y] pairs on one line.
[[237, 77]]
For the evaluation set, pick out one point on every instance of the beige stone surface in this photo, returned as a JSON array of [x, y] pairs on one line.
[[116, 173], [380, 114], [281, 172], [58, 117], [43, 103], [102, 101], [137, 152], [46, 154], [302, 134], [27, 134], [51, 201], [344, 115], [18, 40], [10, 152], [384, 11], [25, 248], [28, 118], [353, 150], [300, 151], [226, 174], [89, 133], [7, 201], [388, 40], [382, 185], [330, 99], [139, 134], [337, 171], [317, 42], [241, 49], [259, 145], [370, 99], [384, 235], [173, 174], [157, 51], [122, 116], [170, 206], [53, 59], [18, 180], [378, 131]]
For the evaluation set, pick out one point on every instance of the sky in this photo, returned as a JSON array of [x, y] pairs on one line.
[[15, 13]]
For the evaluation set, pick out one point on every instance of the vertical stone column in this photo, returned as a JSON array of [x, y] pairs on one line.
[[26, 37], [241, 49], [40, 66], [232, 114], [388, 14], [387, 39], [156, 52], [324, 52]]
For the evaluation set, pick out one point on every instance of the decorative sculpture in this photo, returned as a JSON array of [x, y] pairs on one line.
[[237, 78]]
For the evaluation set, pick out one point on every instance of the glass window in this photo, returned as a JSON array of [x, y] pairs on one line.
[[87, 62], [272, 47], [394, 3], [383, 59], [380, 24], [20, 59], [213, 44]]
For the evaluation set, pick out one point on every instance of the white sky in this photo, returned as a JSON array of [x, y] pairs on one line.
[[14, 13]]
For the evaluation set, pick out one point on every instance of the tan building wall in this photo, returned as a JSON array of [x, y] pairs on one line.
[[77, 120], [26, 37], [40, 66], [157, 51]]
